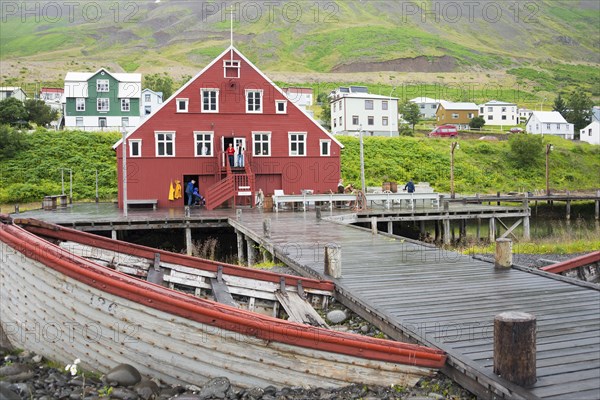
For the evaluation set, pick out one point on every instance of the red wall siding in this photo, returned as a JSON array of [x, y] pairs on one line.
[[149, 176]]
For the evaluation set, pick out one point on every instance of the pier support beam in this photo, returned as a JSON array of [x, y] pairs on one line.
[[492, 233], [478, 234], [267, 228], [390, 229], [526, 229], [422, 228], [446, 223], [113, 234], [250, 251], [333, 260], [240, 246], [188, 241], [514, 347], [374, 225]]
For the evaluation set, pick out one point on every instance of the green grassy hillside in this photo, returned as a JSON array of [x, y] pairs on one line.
[[44, 40], [480, 167]]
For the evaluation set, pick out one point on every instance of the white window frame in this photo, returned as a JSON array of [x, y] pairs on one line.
[[328, 143], [77, 120], [178, 102], [124, 119], [211, 148], [156, 143], [384, 105], [369, 104], [355, 120], [125, 105], [231, 65], [102, 85], [455, 116], [370, 120], [103, 101], [292, 142], [260, 108], [206, 92], [255, 141], [277, 103], [80, 104], [138, 142], [384, 121], [470, 115], [147, 97]]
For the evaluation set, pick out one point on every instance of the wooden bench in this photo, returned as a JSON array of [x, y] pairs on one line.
[[137, 202], [51, 202]]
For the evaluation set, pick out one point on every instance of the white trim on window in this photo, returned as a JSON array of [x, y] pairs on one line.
[[231, 68], [138, 147], [125, 105], [102, 85], [325, 147], [210, 100], [297, 144], [181, 105], [167, 140], [78, 121], [278, 103], [261, 144], [254, 101], [102, 104], [80, 104], [204, 144]]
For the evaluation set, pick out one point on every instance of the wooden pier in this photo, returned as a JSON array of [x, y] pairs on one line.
[[421, 293]]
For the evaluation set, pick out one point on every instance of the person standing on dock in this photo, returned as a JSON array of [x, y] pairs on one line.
[[189, 191], [410, 186]]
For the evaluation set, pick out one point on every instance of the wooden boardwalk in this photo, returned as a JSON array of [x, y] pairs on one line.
[[449, 300]]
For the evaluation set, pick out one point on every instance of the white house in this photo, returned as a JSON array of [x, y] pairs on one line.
[[52, 97], [427, 106], [591, 133], [499, 113], [353, 109], [101, 100], [12, 91], [596, 113], [300, 96], [524, 114], [151, 100], [549, 123]]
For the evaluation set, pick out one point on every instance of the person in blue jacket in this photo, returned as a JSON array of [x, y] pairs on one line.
[[410, 186], [189, 191]]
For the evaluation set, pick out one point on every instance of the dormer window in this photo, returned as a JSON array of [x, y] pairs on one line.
[[281, 106], [182, 105], [231, 68]]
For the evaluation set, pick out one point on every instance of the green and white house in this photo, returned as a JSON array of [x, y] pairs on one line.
[[101, 100]]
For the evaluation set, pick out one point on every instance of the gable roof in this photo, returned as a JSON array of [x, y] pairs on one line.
[[458, 106], [492, 103], [188, 83], [424, 100], [160, 94], [85, 76], [548, 117]]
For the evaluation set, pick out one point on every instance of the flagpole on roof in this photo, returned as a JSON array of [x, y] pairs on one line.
[[231, 32]]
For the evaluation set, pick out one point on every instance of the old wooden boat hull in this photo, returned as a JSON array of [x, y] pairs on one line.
[[66, 307]]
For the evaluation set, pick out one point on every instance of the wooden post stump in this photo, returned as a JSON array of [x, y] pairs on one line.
[[238, 214], [514, 347], [318, 208], [503, 257], [267, 228], [333, 260], [374, 225]]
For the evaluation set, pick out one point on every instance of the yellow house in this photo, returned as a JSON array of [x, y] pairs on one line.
[[457, 114]]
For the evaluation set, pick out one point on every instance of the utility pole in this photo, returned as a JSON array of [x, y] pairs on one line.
[[549, 148], [453, 146]]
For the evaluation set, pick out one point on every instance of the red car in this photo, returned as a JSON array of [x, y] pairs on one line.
[[444, 130], [516, 130]]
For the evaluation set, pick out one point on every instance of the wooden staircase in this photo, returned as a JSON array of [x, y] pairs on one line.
[[238, 183]]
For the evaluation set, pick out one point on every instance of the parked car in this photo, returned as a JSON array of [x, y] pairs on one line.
[[444, 130], [516, 130]]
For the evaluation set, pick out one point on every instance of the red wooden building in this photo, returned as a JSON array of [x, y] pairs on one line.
[[229, 101]]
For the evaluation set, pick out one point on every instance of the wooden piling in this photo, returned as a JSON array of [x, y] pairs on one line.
[[597, 210], [446, 223], [390, 227], [240, 246], [318, 209], [503, 258], [333, 261], [267, 228], [188, 241], [514, 347], [568, 216], [492, 232], [374, 225], [250, 250]]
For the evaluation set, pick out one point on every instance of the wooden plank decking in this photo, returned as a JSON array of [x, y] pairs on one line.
[[449, 300]]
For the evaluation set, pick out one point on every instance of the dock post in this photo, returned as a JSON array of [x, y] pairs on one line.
[[503, 257], [568, 206], [318, 209], [514, 347], [492, 233], [374, 225], [238, 214], [390, 227], [446, 223], [478, 229], [436, 226], [250, 251], [188, 241], [597, 211], [333, 260], [422, 228], [240, 246], [267, 228], [113, 234]]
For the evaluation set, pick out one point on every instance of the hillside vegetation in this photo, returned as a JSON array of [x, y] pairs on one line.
[[539, 43], [484, 167]]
